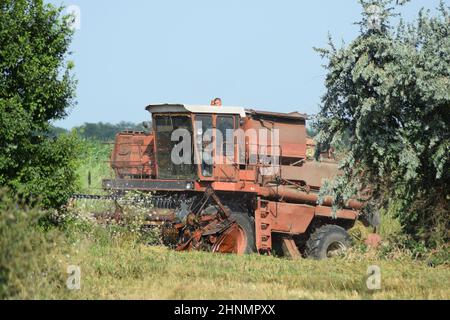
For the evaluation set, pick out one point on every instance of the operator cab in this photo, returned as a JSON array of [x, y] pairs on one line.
[[196, 142]]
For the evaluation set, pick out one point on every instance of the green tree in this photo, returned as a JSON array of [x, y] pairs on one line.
[[36, 87], [388, 97]]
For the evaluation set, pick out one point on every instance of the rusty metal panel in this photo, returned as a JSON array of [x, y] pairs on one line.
[[290, 247], [342, 214], [247, 175], [282, 218], [312, 172], [133, 155], [293, 150], [225, 172], [290, 218], [292, 137]]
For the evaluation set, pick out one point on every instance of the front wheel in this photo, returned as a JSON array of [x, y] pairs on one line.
[[327, 242], [240, 238]]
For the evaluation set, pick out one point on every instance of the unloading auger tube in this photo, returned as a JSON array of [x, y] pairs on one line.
[[294, 195]]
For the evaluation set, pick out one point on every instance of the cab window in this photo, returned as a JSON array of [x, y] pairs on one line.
[[225, 128]]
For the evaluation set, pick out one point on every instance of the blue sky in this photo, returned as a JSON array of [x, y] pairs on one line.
[[252, 53]]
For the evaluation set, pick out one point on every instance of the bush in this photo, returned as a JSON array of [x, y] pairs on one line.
[[26, 261], [49, 178]]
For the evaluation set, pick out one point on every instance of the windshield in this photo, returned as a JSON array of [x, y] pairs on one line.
[[164, 126]]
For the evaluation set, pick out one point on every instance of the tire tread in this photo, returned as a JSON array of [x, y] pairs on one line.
[[313, 245]]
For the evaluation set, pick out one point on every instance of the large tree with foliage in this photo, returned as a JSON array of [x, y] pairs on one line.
[[36, 87], [387, 108]]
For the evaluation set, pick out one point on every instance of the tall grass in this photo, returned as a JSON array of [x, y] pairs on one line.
[[94, 166], [27, 261]]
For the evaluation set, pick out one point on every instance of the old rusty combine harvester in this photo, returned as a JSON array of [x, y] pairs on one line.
[[234, 181]]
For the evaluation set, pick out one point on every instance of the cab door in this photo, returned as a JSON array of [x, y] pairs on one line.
[[204, 146], [225, 167]]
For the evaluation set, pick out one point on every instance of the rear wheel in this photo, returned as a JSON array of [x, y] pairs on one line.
[[327, 242]]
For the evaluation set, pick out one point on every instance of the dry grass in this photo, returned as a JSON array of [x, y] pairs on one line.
[[123, 270]]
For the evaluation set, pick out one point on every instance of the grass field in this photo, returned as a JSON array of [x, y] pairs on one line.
[[116, 264], [138, 272]]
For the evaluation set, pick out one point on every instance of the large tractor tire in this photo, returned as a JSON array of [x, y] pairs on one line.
[[327, 241], [247, 230], [239, 239]]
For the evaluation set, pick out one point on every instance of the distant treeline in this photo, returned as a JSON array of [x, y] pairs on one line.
[[107, 131], [100, 131]]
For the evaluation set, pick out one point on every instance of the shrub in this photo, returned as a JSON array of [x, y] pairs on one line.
[[26, 263]]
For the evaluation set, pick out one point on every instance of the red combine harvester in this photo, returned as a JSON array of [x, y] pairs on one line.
[[234, 181]]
